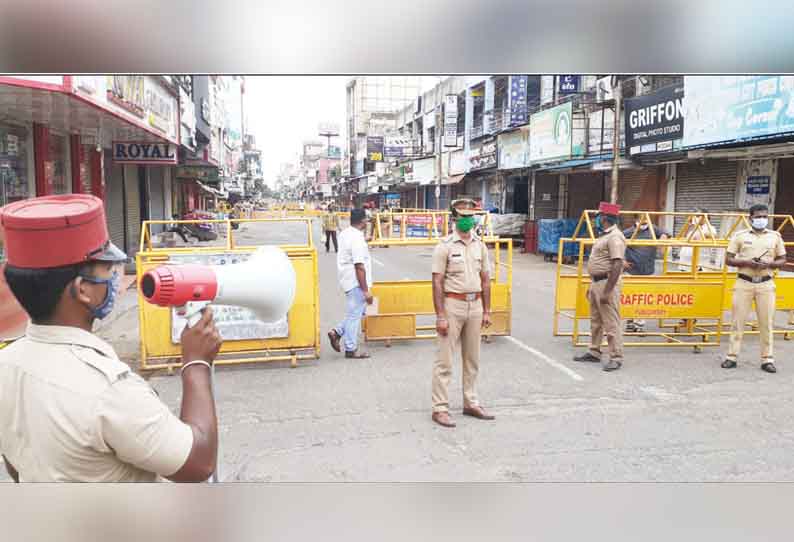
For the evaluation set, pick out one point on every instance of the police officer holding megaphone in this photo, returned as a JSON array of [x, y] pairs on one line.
[[70, 410]]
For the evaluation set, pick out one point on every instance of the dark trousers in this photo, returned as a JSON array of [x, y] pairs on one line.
[[330, 234], [179, 231]]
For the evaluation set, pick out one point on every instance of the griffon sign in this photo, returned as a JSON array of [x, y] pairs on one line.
[[138, 152]]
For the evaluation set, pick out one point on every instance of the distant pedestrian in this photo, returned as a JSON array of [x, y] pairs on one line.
[[699, 230], [354, 269], [330, 227]]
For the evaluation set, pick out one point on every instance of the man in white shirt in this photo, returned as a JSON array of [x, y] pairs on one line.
[[354, 269]]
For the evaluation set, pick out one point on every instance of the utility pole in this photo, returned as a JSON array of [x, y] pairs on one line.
[[616, 91]]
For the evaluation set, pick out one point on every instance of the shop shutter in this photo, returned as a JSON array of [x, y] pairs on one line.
[[131, 183], [639, 190], [114, 203], [712, 186], [585, 192], [157, 197], [547, 199]]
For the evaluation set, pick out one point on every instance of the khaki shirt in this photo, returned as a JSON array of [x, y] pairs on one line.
[[330, 222], [70, 410], [747, 244], [610, 246], [461, 263]]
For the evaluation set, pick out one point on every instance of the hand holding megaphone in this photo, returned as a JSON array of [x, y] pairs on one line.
[[265, 284]]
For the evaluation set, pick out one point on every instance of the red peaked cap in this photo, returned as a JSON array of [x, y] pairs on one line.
[[54, 231], [609, 208]]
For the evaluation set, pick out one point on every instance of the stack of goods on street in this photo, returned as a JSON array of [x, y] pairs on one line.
[[550, 231], [509, 225]]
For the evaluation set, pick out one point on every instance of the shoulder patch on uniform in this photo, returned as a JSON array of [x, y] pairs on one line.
[[113, 369]]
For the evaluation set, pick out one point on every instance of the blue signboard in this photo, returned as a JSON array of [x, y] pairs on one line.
[[725, 108], [758, 185], [518, 100], [568, 84]]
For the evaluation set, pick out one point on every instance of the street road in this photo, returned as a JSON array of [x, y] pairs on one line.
[[668, 415]]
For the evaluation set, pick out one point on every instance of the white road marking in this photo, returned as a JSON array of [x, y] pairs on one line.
[[377, 261], [543, 357]]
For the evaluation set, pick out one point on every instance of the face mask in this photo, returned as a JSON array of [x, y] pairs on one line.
[[597, 223], [760, 223], [106, 307], [465, 223], [644, 227]]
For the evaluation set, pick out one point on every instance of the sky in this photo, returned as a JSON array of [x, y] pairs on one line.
[[283, 111]]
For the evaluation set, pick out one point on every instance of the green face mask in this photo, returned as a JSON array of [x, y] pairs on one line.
[[465, 223]]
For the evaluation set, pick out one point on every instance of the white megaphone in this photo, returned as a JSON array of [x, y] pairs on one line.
[[265, 284]]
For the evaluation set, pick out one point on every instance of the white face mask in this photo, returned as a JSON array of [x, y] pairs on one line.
[[760, 223], [643, 227]]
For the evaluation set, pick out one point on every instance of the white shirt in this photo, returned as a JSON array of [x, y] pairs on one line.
[[353, 249]]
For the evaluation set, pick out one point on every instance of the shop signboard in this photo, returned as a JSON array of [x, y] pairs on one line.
[[451, 120], [551, 135], [422, 172], [144, 152], [654, 118], [399, 147], [568, 84], [375, 148], [203, 174], [127, 92], [457, 162], [518, 99], [514, 149], [721, 109], [482, 154]]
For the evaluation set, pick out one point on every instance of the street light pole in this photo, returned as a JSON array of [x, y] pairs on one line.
[[616, 90]]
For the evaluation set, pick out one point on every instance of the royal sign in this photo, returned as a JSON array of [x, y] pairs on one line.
[[137, 152]]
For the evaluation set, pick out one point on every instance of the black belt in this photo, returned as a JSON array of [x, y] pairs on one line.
[[755, 280], [599, 278]]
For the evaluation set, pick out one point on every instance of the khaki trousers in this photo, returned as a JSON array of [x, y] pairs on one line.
[[605, 320], [465, 323], [763, 294]]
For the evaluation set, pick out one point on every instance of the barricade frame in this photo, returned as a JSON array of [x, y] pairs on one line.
[[710, 332]]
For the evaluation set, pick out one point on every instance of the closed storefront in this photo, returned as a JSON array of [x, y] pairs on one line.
[[16, 162], [784, 199], [711, 186], [546, 196], [115, 203], [132, 182], [157, 200], [642, 189], [585, 191]]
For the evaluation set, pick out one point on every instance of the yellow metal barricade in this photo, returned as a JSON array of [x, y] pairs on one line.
[[302, 339], [689, 300], [403, 304], [417, 227]]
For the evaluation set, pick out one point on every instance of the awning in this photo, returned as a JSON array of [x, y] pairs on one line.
[[569, 164], [211, 190], [453, 179]]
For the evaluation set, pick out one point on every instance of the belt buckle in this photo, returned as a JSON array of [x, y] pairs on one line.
[[758, 280], [471, 297]]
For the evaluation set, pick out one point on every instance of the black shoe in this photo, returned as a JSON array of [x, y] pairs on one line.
[[728, 364], [613, 366], [588, 357], [769, 367]]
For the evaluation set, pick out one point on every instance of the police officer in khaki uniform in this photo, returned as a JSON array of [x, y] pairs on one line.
[[756, 253], [605, 267], [70, 410], [462, 301]]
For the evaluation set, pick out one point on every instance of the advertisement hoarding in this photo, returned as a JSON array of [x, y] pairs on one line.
[[725, 108], [482, 154], [375, 148], [551, 134], [514, 149]]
